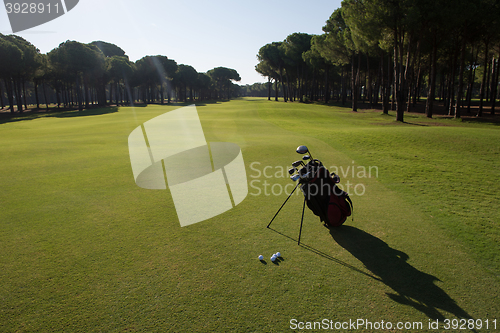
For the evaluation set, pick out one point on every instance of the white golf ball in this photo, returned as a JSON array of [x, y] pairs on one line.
[[273, 258], [261, 257], [278, 254]]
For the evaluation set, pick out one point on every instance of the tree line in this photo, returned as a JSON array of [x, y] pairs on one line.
[[256, 89], [393, 53], [82, 75]]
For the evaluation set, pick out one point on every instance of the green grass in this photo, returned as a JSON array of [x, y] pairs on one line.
[[447, 168], [83, 249]]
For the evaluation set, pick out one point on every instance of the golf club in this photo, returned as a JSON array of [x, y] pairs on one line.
[[303, 150], [306, 175]]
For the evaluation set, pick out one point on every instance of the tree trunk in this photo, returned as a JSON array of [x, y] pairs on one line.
[[492, 81], [24, 94], [416, 91], [327, 84], [268, 88], [10, 93], [290, 90], [344, 86], [17, 90], [354, 90], [445, 90], [429, 108], [79, 93], [483, 82], [67, 95], [2, 105], [387, 86], [35, 84], [472, 71], [300, 74], [282, 84], [70, 96], [276, 92], [86, 91], [451, 90], [488, 83], [358, 80], [45, 96], [313, 94], [494, 88], [117, 94], [58, 94], [408, 77], [460, 80], [444, 82], [378, 84], [369, 84], [162, 94], [398, 57]]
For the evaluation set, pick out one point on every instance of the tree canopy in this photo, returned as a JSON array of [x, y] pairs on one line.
[[76, 74], [393, 52]]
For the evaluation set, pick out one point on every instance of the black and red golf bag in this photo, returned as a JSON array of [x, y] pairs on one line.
[[323, 197]]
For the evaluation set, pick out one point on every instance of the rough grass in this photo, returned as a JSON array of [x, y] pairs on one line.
[[83, 249]]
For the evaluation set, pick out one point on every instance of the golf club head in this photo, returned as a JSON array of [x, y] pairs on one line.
[[302, 149], [292, 171], [295, 178], [306, 157], [296, 163]]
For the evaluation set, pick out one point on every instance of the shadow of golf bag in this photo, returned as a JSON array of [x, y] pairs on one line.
[[322, 195]]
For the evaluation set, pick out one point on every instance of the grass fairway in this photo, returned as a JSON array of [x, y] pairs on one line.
[[84, 249]]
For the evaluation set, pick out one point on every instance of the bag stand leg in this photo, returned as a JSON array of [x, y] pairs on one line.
[[284, 204], [302, 220]]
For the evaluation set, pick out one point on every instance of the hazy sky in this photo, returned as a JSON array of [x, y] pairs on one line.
[[203, 34]]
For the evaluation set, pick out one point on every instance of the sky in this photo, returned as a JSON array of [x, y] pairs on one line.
[[203, 34]]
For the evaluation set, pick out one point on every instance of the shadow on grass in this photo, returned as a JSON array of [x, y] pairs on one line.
[[389, 266], [55, 112], [187, 103], [411, 286], [418, 110], [482, 120], [326, 255], [85, 113], [8, 117]]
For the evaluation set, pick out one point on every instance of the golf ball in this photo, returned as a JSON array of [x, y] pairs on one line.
[[273, 258], [261, 257], [278, 254]]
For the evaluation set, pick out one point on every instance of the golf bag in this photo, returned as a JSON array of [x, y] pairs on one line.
[[322, 195], [320, 190]]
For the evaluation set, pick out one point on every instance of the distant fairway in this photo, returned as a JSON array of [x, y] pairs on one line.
[[84, 249]]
